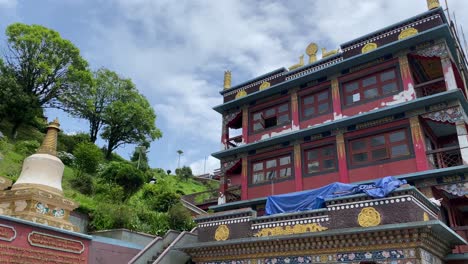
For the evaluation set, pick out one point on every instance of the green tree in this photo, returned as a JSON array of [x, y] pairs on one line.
[[17, 106], [42, 64], [180, 152], [42, 61], [129, 120], [125, 175], [159, 197], [140, 157], [185, 172], [89, 100], [88, 156]]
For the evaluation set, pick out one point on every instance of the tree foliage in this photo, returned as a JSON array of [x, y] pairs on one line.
[[89, 100], [128, 120], [180, 218], [17, 106], [125, 175], [88, 156], [159, 197], [42, 62], [185, 172]]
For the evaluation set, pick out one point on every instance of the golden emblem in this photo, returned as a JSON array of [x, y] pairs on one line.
[[222, 233], [426, 216], [368, 47], [298, 65], [369, 217], [311, 51], [241, 94], [264, 85], [432, 4], [407, 33], [326, 53]]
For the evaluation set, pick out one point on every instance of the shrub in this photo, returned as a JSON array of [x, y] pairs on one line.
[[27, 147], [109, 192], [125, 175], [88, 156], [159, 198], [180, 218], [67, 158], [110, 216], [83, 183], [185, 172], [68, 143], [151, 222]]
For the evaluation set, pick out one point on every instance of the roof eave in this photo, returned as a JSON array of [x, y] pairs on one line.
[[441, 31]]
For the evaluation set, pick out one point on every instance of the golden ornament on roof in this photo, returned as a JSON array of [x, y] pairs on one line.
[[407, 33], [311, 51]]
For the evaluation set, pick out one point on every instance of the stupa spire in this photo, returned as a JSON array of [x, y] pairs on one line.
[[49, 144]]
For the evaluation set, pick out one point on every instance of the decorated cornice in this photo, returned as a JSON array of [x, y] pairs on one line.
[[392, 237]]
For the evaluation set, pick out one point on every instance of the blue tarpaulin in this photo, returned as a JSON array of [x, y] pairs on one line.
[[315, 199]]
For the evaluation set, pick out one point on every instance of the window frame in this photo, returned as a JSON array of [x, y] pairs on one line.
[[266, 108], [366, 73], [388, 145], [316, 103], [263, 160], [305, 158]]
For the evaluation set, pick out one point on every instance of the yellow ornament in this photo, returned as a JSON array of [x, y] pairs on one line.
[[369, 217], [222, 233]]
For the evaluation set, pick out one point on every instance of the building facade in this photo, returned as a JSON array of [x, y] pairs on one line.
[[390, 103]]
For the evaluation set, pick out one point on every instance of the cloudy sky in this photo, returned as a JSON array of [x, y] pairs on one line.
[[176, 51]]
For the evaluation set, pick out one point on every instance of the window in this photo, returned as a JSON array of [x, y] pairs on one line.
[[316, 104], [272, 168], [385, 146], [372, 86], [271, 117], [320, 159]]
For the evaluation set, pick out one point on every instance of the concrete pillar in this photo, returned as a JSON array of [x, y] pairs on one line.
[[342, 161], [462, 140], [419, 144], [298, 167], [336, 98], [449, 75], [406, 76]]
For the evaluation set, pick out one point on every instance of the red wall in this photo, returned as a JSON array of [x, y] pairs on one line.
[[266, 190], [382, 170], [21, 251], [315, 121], [366, 107], [316, 181], [235, 179], [258, 136]]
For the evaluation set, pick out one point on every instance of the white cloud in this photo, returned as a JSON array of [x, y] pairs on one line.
[[177, 52], [198, 167]]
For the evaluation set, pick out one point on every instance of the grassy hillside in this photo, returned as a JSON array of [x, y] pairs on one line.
[[153, 208]]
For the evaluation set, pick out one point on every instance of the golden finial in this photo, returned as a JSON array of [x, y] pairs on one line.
[[326, 53], [298, 65], [227, 80], [311, 50], [432, 4], [49, 145]]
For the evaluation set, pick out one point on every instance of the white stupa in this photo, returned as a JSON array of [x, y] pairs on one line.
[[37, 195]]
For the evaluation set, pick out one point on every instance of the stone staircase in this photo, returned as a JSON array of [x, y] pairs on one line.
[[161, 249]]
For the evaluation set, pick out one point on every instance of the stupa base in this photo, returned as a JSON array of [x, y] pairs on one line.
[[39, 206]]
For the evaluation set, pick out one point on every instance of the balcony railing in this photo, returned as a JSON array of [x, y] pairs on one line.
[[431, 87], [444, 157]]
